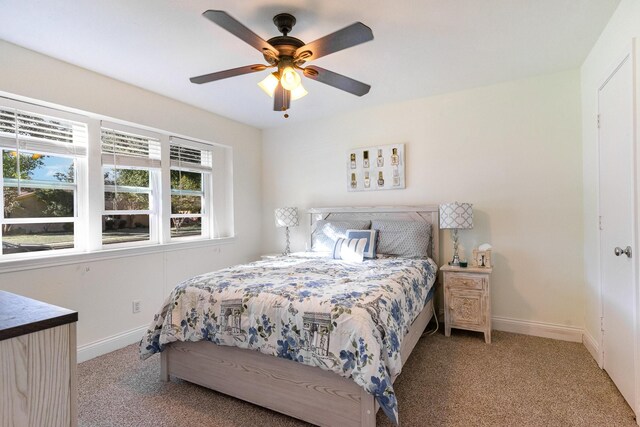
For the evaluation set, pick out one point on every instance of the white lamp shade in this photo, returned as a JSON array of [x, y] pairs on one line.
[[286, 217], [456, 215], [289, 78], [269, 84], [298, 92]]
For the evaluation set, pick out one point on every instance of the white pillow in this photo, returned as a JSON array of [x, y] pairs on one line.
[[351, 250], [325, 233]]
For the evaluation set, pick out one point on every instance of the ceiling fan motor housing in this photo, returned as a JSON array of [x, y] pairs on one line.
[[286, 45], [284, 22]]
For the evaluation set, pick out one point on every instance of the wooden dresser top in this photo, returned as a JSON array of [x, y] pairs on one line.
[[21, 315]]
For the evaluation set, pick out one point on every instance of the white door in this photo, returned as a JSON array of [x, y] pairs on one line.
[[617, 253]]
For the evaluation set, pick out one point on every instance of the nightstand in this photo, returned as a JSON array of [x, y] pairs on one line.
[[467, 301]]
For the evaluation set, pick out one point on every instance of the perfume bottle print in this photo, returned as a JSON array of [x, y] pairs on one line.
[[365, 159], [367, 180], [354, 183], [380, 158], [395, 159], [380, 179], [396, 177], [353, 160]]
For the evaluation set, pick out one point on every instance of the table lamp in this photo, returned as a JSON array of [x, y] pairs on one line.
[[286, 217], [456, 216]]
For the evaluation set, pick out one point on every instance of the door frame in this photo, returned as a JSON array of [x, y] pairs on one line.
[[633, 55], [635, 58]]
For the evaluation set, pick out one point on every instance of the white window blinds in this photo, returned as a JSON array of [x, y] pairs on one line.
[[132, 149], [26, 131], [190, 155]]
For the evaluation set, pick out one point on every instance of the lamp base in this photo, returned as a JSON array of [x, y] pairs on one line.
[[287, 249], [455, 261]]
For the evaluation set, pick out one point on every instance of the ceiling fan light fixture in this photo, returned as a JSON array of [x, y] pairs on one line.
[[288, 54], [269, 84], [290, 79], [298, 92]]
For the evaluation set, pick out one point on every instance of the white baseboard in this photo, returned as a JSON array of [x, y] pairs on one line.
[[109, 344], [592, 346], [537, 329], [526, 327]]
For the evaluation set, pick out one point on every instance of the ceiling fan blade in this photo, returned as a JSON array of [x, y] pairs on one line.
[[350, 36], [336, 80], [281, 99], [206, 78], [229, 23]]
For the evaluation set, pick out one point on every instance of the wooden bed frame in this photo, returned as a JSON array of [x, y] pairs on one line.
[[306, 392]]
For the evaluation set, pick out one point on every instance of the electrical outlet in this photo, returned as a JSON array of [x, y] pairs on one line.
[[136, 305]]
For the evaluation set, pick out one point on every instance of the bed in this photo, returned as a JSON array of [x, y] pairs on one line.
[[341, 331]]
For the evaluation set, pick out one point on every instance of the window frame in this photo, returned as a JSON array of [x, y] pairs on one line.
[[42, 185], [152, 190], [76, 150], [90, 190], [152, 163], [204, 212], [205, 169]]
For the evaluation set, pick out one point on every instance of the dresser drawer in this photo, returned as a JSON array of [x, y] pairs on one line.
[[463, 281]]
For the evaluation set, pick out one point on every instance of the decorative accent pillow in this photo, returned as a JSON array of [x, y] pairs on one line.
[[325, 233], [351, 250], [408, 239], [372, 240]]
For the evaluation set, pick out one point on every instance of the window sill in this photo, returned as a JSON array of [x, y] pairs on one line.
[[104, 254]]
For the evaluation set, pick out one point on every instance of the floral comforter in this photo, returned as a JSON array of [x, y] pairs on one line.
[[346, 318]]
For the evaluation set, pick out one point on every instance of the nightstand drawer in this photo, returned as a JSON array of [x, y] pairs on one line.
[[463, 281]]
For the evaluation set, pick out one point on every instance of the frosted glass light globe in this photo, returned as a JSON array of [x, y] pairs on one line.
[[290, 79]]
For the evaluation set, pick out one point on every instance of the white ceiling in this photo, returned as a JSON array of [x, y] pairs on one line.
[[421, 47]]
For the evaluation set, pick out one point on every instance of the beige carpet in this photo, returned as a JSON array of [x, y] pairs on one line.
[[459, 381]]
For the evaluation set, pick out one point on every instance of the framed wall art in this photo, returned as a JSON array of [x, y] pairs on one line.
[[376, 168]]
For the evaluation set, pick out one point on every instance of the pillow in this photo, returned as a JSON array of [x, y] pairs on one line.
[[372, 240], [408, 239], [325, 233], [351, 250]]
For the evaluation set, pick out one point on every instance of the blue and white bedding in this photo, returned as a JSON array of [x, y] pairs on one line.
[[347, 318]]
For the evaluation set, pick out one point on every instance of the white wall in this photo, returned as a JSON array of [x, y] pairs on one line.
[[614, 43], [102, 291], [512, 149]]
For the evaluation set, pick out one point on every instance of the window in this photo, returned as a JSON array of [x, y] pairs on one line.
[[130, 165], [191, 165], [41, 156], [73, 183]]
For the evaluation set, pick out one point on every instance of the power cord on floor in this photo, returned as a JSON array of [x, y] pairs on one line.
[[437, 325]]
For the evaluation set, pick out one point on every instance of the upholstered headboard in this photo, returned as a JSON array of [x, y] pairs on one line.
[[428, 214]]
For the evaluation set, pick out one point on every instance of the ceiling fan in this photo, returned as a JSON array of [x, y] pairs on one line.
[[288, 54]]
